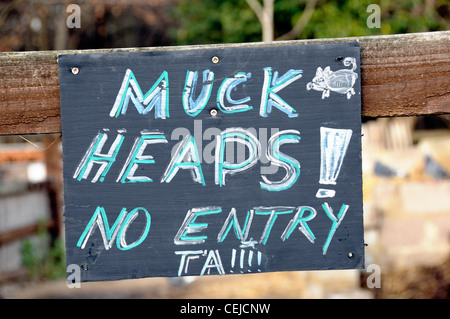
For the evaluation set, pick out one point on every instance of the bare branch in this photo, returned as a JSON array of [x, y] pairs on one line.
[[257, 8], [301, 22], [265, 16]]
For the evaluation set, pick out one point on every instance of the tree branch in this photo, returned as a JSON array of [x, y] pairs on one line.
[[265, 16], [257, 8], [301, 22]]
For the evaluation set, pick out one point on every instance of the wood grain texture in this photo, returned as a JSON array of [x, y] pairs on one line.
[[402, 75]]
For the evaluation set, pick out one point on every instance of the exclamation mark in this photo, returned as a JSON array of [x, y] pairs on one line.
[[333, 146], [233, 258], [242, 260], [259, 260], [241, 263]]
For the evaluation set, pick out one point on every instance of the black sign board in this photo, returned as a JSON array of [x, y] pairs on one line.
[[212, 161]]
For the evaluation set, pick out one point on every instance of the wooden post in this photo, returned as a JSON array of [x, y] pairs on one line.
[[402, 75], [53, 160]]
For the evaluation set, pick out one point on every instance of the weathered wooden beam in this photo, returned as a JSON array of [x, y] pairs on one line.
[[402, 75], [20, 233]]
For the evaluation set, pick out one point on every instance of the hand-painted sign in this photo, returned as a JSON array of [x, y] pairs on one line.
[[212, 161]]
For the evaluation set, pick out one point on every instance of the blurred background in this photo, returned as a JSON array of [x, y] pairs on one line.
[[406, 161]]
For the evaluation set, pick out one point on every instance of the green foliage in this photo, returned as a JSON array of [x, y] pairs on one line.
[[210, 21], [333, 19], [228, 21], [339, 19], [41, 261]]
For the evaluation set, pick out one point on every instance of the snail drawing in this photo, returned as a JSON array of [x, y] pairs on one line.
[[340, 81]]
